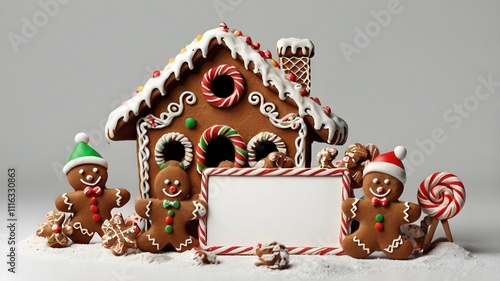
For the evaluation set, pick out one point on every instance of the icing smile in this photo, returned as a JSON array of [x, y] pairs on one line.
[[171, 195], [380, 195], [90, 184]]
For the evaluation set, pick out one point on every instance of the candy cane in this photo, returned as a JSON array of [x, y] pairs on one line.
[[224, 131], [211, 74], [441, 195]]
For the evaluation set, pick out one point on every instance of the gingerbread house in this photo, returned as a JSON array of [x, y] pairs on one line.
[[223, 98]]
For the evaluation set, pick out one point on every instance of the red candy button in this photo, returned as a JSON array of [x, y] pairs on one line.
[[93, 200], [96, 217], [379, 226], [169, 220], [56, 228], [172, 189], [94, 209]]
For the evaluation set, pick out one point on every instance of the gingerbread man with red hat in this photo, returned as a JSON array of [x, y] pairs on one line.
[[380, 213]]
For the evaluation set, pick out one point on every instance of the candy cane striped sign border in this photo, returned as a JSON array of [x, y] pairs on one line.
[[274, 172]]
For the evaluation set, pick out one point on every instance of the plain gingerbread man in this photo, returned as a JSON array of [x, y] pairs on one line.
[[170, 212], [92, 202], [380, 213]]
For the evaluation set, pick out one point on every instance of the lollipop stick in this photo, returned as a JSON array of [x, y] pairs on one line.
[[447, 231], [430, 234]]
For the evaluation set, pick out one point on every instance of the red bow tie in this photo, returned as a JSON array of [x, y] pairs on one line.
[[380, 201], [89, 191]]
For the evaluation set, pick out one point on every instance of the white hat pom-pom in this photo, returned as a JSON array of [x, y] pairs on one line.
[[400, 152], [82, 137]]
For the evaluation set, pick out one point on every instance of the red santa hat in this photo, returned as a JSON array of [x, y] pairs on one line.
[[389, 163]]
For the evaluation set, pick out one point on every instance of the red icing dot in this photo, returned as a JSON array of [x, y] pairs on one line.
[[172, 189], [156, 73], [96, 217], [169, 220], [94, 209], [291, 77], [327, 109], [379, 226], [255, 45], [93, 200], [56, 228], [303, 92], [248, 40]]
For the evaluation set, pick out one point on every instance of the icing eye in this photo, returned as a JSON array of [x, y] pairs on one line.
[[95, 170], [166, 181], [81, 171], [387, 181], [176, 182], [376, 181]]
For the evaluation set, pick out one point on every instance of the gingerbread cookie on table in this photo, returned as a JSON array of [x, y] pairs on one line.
[[380, 213], [91, 202], [170, 212]]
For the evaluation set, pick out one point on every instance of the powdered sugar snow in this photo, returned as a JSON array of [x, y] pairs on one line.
[[449, 261]]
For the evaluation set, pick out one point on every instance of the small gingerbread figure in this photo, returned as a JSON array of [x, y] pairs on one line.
[[170, 212], [357, 156], [326, 158], [380, 213], [91, 202]]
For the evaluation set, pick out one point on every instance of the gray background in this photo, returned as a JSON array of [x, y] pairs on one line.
[[77, 60]]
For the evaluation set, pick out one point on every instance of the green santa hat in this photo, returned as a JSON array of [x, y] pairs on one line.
[[83, 154]]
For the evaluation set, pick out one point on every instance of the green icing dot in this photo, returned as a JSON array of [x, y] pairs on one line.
[[379, 217], [190, 123], [168, 228], [170, 213]]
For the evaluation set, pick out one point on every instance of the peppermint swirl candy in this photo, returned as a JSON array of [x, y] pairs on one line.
[[221, 131], [441, 195], [207, 86]]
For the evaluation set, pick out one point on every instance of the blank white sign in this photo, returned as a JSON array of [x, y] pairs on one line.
[[297, 211]]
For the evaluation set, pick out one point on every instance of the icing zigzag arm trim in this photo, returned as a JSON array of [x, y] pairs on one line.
[[362, 245], [407, 204], [66, 201], [118, 198], [354, 207]]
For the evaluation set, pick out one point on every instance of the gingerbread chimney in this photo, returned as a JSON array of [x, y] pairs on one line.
[[295, 56]]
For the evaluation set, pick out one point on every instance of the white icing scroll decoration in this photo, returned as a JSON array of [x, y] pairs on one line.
[[263, 137], [395, 244], [185, 244], [84, 231], [146, 123], [268, 109], [174, 137]]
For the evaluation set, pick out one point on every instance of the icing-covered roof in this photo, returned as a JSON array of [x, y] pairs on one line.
[[241, 45]]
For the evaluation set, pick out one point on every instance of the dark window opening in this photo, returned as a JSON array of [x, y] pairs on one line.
[[174, 151], [264, 148], [218, 150], [222, 86]]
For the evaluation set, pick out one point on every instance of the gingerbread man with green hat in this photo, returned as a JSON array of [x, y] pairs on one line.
[[91, 202]]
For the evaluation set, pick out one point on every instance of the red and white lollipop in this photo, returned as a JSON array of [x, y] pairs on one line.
[[441, 195]]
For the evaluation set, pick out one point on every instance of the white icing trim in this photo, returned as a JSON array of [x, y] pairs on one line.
[[145, 124], [148, 208], [187, 242], [407, 215], [395, 244], [354, 208], [174, 137], [84, 231], [362, 245], [294, 44], [91, 184], [199, 209], [171, 195], [268, 109], [66, 201], [153, 242], [380, 195], [118, 197], [239, 49]]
